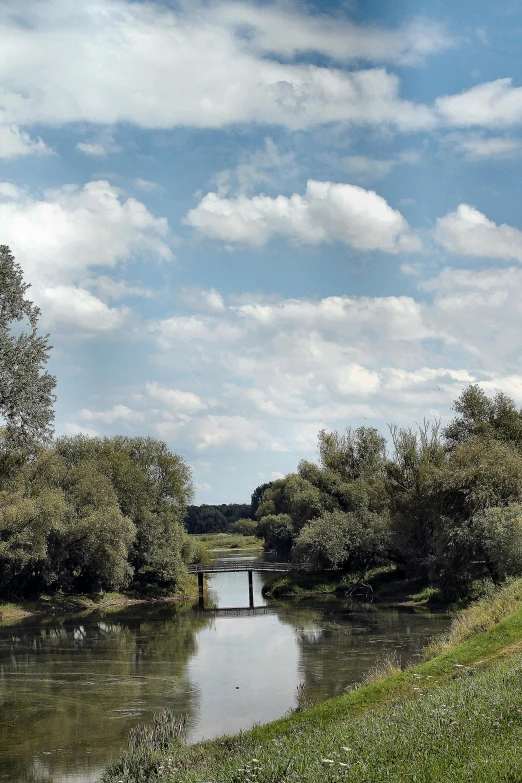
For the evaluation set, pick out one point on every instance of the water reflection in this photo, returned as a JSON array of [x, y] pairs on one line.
[[71, 688]]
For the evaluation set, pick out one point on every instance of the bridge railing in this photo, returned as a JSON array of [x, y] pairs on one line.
[[232, 565]]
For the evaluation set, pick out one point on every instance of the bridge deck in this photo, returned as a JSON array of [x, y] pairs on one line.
[[237, 565]]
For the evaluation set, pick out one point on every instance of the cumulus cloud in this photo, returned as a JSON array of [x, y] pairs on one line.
[[60, 236], [15, 143], [479, 311], [336, 38], [495, 104], [327, 212], [120, 413], [175, 398], [470, 233], [111, 61]]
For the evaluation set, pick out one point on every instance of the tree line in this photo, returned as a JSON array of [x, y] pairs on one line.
[[84, 514], [445, 505]]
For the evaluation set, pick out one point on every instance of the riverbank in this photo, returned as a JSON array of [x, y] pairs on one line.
[[384, 584], [72, 604], [228, 541], [454, 717]]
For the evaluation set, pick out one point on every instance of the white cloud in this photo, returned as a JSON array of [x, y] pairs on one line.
[[267, 166], [117, 413], [201, 299], [328, 212], [175, 398], [333, 37], [475, 146], [111, 61], [495, 104], [188, 328], [15, 143], [99, 146], [145, 184], [78, 307], [117, 289], [470, 233], [232, 431], [479, 311], [59, 237], [72, 428]]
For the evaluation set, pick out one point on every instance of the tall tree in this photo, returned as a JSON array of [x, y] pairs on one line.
[[26, 389]]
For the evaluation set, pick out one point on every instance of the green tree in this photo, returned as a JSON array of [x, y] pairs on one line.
[[483, 417], [153, 487], [244, 527], [348, 541], [26, 389]]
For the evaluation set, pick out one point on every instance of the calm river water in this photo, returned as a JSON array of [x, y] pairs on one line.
[[72, 687]]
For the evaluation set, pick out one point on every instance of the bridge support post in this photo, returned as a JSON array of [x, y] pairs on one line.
[[200, 590], [250, 591]]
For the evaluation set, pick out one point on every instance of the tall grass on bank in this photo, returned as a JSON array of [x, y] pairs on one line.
[[453, 719], [227, 541], [480, 616], [468, 729]]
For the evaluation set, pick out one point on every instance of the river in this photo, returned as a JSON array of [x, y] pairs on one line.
[[71, 687]]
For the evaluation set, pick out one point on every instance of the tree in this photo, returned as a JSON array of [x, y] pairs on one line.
[[152, 486], [26, 389], [351, 542], [482, 417], [244, 527], [257, 496]]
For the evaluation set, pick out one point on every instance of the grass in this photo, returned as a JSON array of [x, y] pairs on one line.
[[456, 717], [228, 541]]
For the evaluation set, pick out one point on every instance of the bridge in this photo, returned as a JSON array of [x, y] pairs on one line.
[[226, 566]]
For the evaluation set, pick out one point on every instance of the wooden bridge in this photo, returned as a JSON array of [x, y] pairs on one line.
[[226, 566]]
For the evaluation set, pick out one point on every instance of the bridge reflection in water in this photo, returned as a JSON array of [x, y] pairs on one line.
[[226, 566]]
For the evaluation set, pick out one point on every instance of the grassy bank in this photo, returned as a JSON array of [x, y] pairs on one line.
[[228, 541], [454, 717], [65, 604]]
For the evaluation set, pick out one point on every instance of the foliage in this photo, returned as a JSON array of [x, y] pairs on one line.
[[215, 519], [257, 496], [277, 532], [93, 514], [26, 389], [351, 541], [244, 527], [483, 417]]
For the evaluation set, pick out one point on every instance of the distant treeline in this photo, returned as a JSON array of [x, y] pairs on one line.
[[227, 517]]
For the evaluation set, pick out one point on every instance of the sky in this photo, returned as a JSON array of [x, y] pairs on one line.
[[244, 222]]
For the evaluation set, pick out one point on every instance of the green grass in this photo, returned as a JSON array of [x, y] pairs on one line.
[[228, 541], [456, 717]]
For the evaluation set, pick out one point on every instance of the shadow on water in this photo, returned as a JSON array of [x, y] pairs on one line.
[[72, 687]]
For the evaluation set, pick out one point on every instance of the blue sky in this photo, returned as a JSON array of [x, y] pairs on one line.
[[244, 222]]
